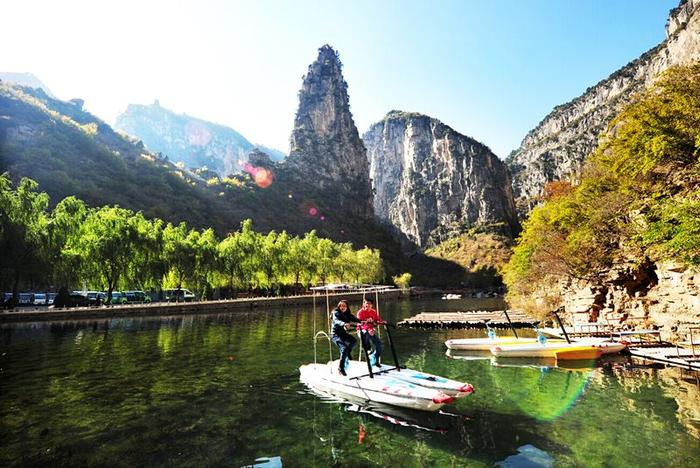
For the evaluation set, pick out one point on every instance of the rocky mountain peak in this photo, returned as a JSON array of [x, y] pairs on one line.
[[432, 183], [325, 147], [557, 147]]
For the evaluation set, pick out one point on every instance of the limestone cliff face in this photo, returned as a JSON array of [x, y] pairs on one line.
[[326, 151], [432, 183], [557, 147]]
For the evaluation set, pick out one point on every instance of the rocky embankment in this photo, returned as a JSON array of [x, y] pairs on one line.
[[664, 295], [432, 183], [557, 147]]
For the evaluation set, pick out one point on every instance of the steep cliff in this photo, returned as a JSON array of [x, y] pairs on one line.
[[557, 147], [193, 141], [432, 183], [326, 151]]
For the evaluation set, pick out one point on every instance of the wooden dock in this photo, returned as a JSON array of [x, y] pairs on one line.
[[470, 319], [668, 354]]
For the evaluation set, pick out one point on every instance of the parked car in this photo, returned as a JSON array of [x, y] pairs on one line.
[[96, 297], [26, 299], [74, 299], [39, 299], [50, 298], [119, 297], [178, 295], [137, 297]]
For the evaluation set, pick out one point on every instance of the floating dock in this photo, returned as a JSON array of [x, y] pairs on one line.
[[470, 319], [670, 355]]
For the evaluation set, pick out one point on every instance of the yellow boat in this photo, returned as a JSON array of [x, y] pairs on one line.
[[563, 351]]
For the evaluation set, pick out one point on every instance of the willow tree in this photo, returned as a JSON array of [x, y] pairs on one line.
[[231, 259], [180, 252], [205, 261], [65, 223], [23, 222], [105, 244]]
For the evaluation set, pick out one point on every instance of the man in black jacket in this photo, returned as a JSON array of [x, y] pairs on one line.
[[342, 321]]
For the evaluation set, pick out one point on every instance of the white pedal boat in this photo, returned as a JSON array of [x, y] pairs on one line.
[[450, 387], [485, 344], [606, 346], [384, 387]]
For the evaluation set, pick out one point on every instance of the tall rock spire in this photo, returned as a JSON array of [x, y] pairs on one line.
[[326, 151]]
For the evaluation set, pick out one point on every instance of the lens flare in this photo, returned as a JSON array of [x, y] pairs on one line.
[[261, 176], [308, 208]]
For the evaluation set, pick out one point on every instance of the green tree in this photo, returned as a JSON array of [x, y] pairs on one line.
[[23, 223], [370, 266], [64, 225], [180, 252], [105, 244], [249, 244], [403, 281], [230, 256], [205, 262]]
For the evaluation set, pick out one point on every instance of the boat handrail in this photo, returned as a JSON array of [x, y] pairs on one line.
[[330, 352]]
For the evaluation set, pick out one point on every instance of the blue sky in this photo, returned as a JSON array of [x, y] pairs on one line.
[[491, 69]]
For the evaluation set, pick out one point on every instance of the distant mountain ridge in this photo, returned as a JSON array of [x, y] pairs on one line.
[[26, 79], [557, 147], [193, 141]]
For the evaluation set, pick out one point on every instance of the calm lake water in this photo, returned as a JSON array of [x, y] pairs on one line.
[[223, 390]]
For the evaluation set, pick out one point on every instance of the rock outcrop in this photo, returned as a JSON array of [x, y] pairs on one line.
[[557, 147], [326, 151], [195, 142], [432, 183], [665, 295]]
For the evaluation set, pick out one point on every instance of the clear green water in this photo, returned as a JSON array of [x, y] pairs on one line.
[[223, 390]]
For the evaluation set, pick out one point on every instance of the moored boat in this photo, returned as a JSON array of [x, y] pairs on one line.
[[606, 346], [548, 349], [485, 344], [378, 388]]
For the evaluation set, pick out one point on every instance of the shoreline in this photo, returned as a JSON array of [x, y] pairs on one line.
[[160, 309]]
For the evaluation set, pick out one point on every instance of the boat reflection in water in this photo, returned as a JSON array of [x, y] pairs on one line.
[[439, 421], [475, 435], [542, 388]]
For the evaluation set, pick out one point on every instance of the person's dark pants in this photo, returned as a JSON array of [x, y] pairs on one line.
[[345, 345], [372, 342]]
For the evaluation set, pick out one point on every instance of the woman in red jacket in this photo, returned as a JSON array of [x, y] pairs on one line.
[[370, 319]]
